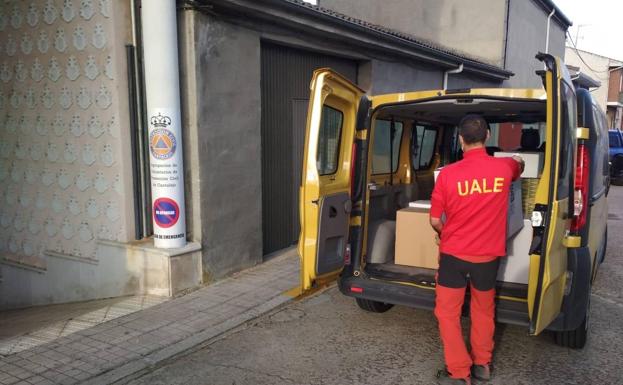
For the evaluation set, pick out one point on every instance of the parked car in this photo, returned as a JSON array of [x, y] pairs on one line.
[[616, 156], [367, 157]]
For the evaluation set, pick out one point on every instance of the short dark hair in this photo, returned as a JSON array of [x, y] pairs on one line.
[[473, 128]]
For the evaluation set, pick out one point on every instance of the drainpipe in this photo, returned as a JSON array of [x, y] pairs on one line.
[[162, 91], [549, 19], [457, 70]]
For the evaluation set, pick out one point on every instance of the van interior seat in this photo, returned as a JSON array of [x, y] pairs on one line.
[[530, 140], [381, 241]]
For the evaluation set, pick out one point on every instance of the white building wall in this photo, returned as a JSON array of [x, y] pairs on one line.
[[65, 156], [595, 66]]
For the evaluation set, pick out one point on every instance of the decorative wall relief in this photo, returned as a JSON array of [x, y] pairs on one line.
[[32, 16], [64, 98], [60, 43], [90, 69], [46, 97], [36, 72], [26, 44], [50, 13], [11, 46], [83, 182], [79, 38], [54, 70], [76, 126], [96, 129], [73, 68], [43, 43], [107, 155], [88, 154], [84, 98], [68, 12], [103, 98], [99, 37], [16, 17], [61, 188], [100, 183], [73, 205], [87, 10]]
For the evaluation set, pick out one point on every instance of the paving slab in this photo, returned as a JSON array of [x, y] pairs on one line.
[[134, 341]]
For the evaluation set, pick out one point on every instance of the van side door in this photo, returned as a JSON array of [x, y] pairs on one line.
[[554, 199], [327, 179]]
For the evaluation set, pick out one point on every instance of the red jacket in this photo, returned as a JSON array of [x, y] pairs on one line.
[[473, 193]]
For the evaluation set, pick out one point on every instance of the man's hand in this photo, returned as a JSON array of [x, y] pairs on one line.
[[519, 160]]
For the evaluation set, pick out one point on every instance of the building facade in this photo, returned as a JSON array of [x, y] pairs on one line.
[[606, 71], [76, 212]]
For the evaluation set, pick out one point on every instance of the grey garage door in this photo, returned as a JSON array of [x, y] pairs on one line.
[[286, 73]]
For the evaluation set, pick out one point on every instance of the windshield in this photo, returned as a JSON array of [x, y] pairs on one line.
[[615, 139]]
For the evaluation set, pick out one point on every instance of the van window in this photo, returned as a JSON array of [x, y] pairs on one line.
[[615, 140], [329, 140], [423, 146], [567, 141], [386, 147]]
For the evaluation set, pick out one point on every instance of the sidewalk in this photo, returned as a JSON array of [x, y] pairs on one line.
[[113, 350]]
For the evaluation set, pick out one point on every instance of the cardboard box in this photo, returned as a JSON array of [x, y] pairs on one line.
[[533, 160], [514, 222], [415, 239], [515, 267]]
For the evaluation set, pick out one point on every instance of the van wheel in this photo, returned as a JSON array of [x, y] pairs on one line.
[[373, 306], [575, 339]]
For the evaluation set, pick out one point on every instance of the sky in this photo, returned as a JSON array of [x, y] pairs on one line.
[[599, 23]]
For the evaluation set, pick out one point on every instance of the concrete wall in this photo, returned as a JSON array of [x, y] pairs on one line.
[[474, 27], [527, 28], [222, 107]]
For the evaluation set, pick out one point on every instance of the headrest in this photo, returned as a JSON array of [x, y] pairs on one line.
[[530, 139]]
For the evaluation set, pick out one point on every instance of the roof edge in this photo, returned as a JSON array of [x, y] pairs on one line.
[[559, 15], [445, 58]]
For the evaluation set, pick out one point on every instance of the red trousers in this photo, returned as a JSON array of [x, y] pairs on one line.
[[448, 304]]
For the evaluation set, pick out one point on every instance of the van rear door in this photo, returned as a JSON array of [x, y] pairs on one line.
[[325, 193], [554, 200]]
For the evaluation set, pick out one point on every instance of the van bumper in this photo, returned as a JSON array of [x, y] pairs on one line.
[[509, 312]]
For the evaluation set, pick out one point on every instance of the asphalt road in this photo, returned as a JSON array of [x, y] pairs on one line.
[[327, 339]]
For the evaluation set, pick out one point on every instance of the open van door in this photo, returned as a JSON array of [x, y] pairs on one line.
[[325, 193], [554, 200]]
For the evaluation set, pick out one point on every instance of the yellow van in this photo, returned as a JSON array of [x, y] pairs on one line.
[[368, 157]]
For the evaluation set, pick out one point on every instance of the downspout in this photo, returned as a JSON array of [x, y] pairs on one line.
[[457, 70], [549, 20]]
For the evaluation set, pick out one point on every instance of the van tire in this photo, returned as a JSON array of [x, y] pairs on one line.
[[373, 306], [575, 339]]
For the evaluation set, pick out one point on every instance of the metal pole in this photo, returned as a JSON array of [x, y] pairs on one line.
[[162, 90]]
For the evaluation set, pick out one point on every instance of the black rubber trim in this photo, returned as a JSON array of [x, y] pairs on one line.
[[441, 96]]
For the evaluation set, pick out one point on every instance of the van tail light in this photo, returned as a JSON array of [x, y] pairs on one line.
[[355, 289], [580, 196], [347, 255], [353, 157]]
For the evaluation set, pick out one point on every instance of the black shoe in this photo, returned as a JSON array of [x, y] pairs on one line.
[[482, 372], [443, 378]]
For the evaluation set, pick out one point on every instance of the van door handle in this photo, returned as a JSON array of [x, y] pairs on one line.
[[373, 186]]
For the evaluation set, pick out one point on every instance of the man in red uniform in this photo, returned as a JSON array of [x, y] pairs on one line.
[[473, 195]]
